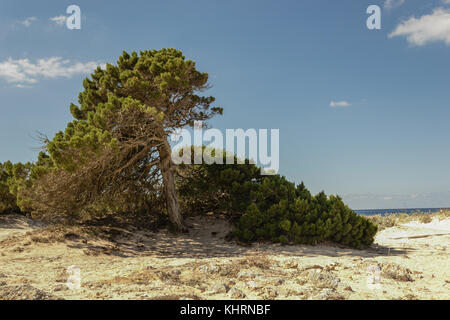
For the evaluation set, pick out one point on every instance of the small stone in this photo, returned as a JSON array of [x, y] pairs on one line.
[[175, 272], [323, 279], [247, 274], [209, 269], [253, 285], [332, 266], [270, 293], [348, 288], [236, 293], [60, 287], [291, 265], [261, 278], [218, 288], [329, 294]]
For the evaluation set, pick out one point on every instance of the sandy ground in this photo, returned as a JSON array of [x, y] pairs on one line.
[[411, 261]]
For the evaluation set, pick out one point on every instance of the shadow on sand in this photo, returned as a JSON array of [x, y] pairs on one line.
[[206, 239]]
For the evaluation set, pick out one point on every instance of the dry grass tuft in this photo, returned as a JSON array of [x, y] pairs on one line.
[[260, 261], [396, 219], [397, 272]]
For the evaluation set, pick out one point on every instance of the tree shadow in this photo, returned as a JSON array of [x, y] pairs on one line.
[[16, 221], [207, 239]]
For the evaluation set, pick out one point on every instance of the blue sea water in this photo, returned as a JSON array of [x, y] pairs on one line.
[[383, 212]]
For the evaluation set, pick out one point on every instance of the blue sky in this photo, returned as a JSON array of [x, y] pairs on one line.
[[383, 143]]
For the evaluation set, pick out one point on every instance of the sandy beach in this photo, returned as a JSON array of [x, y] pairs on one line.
[[408, 261]]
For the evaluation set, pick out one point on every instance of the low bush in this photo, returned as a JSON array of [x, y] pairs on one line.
[[295, 216], [270, 208], [12, 178], [216, 187]]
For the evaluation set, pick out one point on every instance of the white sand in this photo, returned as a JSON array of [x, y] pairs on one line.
[[406, 262]]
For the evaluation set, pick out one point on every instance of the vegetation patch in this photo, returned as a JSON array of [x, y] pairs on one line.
[[114, 159]]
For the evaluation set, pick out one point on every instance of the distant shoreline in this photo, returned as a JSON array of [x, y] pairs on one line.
[[371, 212]]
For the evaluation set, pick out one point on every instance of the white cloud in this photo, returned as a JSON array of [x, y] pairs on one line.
[[446, 1], [59, 20], [22, 86], [28, 21], [391, 4], [335, 104], [428, 28], [22, 72]]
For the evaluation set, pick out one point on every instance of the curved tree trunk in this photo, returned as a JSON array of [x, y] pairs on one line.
[[168, 173]]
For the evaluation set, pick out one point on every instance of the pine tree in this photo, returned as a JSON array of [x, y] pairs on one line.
[[118, 141]]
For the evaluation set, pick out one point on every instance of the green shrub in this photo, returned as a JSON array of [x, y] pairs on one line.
[[270, 208], [216, 188], [12, 178], [288, 214]]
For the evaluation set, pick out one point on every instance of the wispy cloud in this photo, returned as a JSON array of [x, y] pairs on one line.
[[428, 28], [335, 104], [59, 20], [22, 72], [391, 4], [27, 21]]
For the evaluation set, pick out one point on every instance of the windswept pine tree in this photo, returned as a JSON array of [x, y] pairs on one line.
[[115, 155]]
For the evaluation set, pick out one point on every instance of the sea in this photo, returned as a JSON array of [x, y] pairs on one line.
[[384, 212]]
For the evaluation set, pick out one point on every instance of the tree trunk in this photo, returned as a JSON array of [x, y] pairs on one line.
[[168, 173]]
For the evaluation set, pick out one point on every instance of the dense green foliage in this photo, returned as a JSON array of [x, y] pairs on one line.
[[275, 209], [283, 213], [12, 178], [216, 187], [17, 178]]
